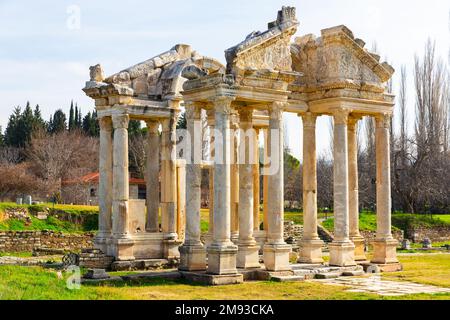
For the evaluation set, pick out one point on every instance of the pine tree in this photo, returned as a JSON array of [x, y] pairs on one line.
[[39, 123], [87, 123], [11, 136], [79, 121], [26, 125], [72, 120], [2, 139]]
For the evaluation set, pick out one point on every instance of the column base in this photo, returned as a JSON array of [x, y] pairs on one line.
[[248, 256], [192, 258], [310, 251], [122, 249], [276, 257], [359, 242], [101, 241], [384, 251], [222, 259], [342, 254], [171, 249]]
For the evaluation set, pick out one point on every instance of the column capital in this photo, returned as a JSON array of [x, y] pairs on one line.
[[340, 116], [309, 119], [152, 126], [276, 109], [105, 123], [192, 111], [121, 121], [223, 104], [353, 120], [383, 120], [245, 115]]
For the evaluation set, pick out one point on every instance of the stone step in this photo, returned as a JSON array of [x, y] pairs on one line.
[[353, 273], [328, 275], [288, 278]]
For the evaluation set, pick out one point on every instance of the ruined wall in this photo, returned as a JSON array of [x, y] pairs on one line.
[[23, 241]]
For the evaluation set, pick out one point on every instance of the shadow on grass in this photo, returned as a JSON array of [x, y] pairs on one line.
[[144, 282]]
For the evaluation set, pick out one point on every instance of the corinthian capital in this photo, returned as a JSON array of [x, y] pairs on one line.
[[223, 104], [152, 126], [105, 123], [340, 116], [120, 121], [192, 111], [276, 109], [383, 120], [309, 119], [245, 115]]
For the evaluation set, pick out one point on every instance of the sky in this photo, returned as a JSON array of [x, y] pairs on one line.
[[46, 47]]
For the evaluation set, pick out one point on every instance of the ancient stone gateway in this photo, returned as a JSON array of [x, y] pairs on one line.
[[266, 75]]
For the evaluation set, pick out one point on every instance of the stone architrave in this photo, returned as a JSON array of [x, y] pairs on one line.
[[342, 250], [384, 245], [192, 252], [355, 235], [222, 252], [310, 244], [247, 256], [152, 177], [276, 251]]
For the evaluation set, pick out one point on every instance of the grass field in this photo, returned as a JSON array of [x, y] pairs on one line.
[[40, 283]]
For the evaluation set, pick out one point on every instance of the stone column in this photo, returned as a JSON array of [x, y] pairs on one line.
[[310, 244], [211, 174], [234, 181], [276, 251], [265, 182], [192, 252], [355, 235], [247, 256], [222, 252], [152, 176], [384, 245], [105, 184], [342, 250], [256, 188], [123, 243]]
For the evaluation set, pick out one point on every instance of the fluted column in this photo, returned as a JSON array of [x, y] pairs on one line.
[[152, 176], [192, 252], [120, 213], [234, 179], [105, 184], [384, 245], [247, 256], [211, 173], [222, 252], [341, 249], [265, 182], [256, 182], [355, 235], [310, 244], [276, 251]]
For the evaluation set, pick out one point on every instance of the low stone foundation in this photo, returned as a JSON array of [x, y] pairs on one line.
[[27, 241]]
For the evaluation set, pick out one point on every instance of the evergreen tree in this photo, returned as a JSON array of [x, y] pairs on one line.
[[72, 119], [39, 123], [181, 124], [26, 125], [75, 117], [11, 136], [2, 143], [134, 128], [87, 123], [59, 122], [79, 121]]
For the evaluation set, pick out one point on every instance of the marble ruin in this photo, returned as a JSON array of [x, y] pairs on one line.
[[265, 75]]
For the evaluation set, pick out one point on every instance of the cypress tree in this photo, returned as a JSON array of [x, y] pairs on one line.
[[72, 120]]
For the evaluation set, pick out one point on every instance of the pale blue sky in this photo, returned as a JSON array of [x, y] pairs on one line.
[[46, 62]]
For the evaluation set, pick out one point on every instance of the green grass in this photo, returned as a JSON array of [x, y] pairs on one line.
[[39, 283], [62, 218]]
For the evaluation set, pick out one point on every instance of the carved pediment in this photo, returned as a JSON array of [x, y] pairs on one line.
[[266, 50], [337, 60]]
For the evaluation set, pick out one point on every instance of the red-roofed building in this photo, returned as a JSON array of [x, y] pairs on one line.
[[84, 190]]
